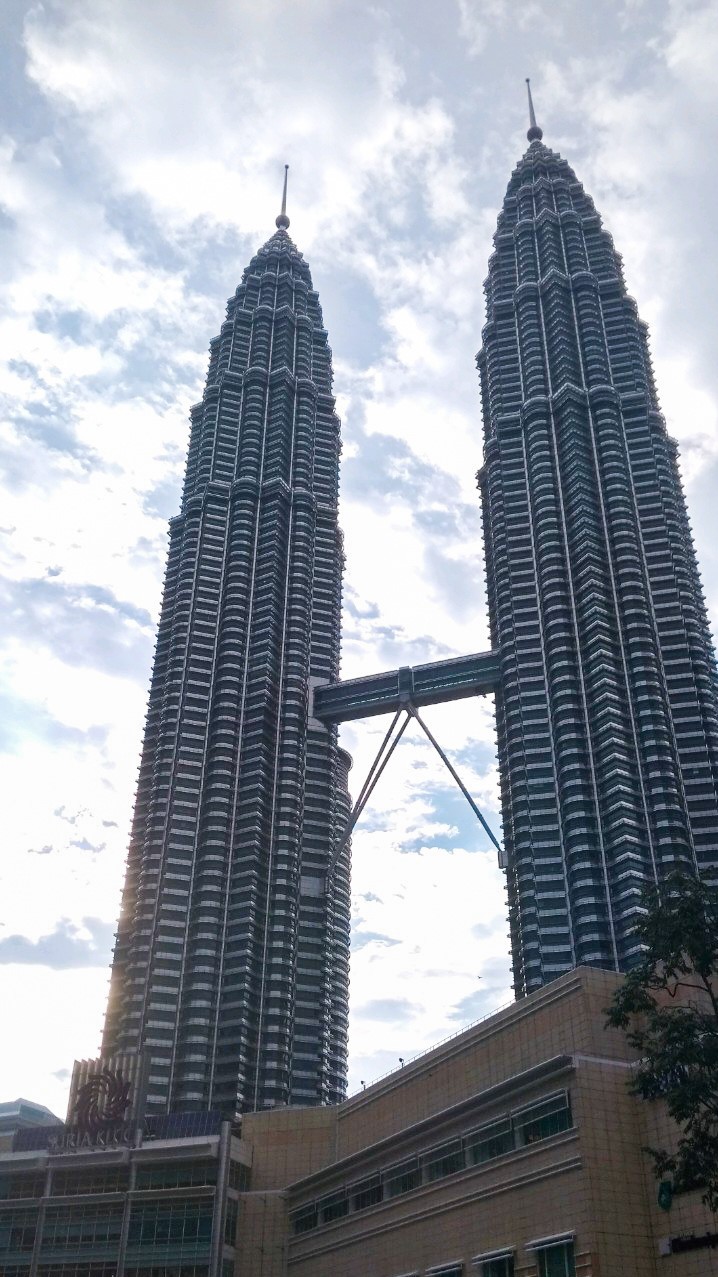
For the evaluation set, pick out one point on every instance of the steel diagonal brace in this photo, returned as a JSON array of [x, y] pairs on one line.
[[413, 712], [375, 771], [382, 758]]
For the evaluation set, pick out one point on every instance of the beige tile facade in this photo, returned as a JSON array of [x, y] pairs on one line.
[[421, 1129]]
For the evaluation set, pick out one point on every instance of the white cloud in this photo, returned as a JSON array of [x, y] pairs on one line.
[[692, 47], [476, 18], [429, 900], [58, 1013]]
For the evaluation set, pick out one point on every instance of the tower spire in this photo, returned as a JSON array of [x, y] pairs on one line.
[[282, 222], [534, 133]]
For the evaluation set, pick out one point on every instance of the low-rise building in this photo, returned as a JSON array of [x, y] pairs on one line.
[[160, 1205], [513, 1150]]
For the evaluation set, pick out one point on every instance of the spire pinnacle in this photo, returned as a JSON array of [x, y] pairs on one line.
[[534, 133], [282, 222]]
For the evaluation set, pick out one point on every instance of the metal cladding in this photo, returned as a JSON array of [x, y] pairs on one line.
[[607, 713], [231, 964]]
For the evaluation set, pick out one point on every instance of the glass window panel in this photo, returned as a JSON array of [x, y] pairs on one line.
[[17, 1231], [183, 1228], [557, 1261], [503, 1267], [92, 1226], [239, 1176], [12, 1186], [543, 1119], [489, 1141], [402, 1178], [176, 1175], [445, 1160], [95, 1180], [305, 1219], [368, 1193], [65, 1269], [333, 1207]]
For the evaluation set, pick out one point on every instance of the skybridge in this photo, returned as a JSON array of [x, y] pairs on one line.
[[400, 692], [429, 684]]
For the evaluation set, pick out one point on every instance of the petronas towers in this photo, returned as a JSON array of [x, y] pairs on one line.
[[231, 966]]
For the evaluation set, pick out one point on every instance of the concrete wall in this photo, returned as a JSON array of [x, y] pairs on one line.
[[593, 1180]]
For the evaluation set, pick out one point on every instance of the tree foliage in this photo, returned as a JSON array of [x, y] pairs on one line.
[[668, 1007]]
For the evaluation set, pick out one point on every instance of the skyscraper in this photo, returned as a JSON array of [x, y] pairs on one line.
[[231, 962], [607, 711], [231, 966]]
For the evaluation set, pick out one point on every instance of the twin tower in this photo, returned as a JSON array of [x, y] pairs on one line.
[[230, 971]]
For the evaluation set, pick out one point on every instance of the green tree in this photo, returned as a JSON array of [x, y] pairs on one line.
[[668, 1007]]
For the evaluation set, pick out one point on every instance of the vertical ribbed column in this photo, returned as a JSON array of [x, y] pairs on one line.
[[606, 709], [230, 967]]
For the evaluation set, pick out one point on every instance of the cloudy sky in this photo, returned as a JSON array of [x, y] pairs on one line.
[[141, 153]]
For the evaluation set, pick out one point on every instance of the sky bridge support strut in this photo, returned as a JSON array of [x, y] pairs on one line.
[[384, 753]]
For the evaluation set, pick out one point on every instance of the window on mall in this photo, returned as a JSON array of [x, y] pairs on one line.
[[557, 1260], [305, 1219], [496, 1266], [333, 1207], [114, 1179], [17, 1233], [92, 1226], [17, 1186], [366, 1193], [402, 1178], [230, 1223], [528, 1125], [239, 1176], [176, 1175], [539, 1121], [164, 1270], [72, 1270], [445, 1160], [490, 1141], [170, 1231]]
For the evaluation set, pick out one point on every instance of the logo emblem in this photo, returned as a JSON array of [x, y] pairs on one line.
[[101, 1102]]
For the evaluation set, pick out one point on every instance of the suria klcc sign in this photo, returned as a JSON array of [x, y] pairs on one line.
[[100, 1115]]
